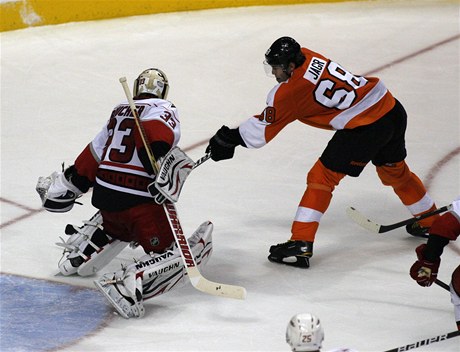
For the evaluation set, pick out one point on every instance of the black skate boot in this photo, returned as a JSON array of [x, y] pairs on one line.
[[293, 253], [416, 230]]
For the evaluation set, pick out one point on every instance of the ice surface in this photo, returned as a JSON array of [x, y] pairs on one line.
[[60, 83]]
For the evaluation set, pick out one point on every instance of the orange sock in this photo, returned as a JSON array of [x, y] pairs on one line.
[[315, 201], [304, 231], [409, 188]]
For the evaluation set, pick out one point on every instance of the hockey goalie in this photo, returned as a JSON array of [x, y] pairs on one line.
[[129, 196]]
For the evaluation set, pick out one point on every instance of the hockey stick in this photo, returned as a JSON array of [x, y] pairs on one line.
[[442, 284], [425, 342], [197, 280], [201, 160], [370, 225]]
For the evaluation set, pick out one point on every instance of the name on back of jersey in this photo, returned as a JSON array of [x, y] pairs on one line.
[[315, 70]]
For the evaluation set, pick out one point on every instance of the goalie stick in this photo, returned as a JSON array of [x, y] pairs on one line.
[[370, 225], [198, 281], [425, 342]]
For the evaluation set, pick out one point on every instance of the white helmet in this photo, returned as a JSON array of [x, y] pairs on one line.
[[304, 333], [152, 81]]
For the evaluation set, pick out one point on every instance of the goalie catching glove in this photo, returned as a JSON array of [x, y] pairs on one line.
[[174, 169], [57, 192]]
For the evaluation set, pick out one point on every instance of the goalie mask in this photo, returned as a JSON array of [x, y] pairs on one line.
[[152, 81], [304, 333]]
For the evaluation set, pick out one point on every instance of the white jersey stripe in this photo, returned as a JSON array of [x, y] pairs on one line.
[[125, 168], [253, 133], [371, 98]]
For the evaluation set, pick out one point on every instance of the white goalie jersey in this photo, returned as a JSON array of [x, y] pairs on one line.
[[120, 168]]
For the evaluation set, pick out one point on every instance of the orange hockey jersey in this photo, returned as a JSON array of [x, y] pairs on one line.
[[320, 93]]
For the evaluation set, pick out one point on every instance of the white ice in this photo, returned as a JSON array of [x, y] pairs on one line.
[[60, 83]]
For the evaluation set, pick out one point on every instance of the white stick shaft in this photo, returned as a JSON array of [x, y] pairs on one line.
[[145, 141]]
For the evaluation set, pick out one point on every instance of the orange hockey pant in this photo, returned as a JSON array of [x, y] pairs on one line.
[[322, 181]]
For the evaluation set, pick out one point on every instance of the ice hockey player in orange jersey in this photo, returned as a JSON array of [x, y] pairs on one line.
[[370, 125]]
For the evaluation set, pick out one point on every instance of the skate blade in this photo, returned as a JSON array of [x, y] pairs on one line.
[[301, 262]]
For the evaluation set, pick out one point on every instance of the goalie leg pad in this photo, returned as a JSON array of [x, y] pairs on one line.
[[153, 274], [88, 248], [161, 273], [101, 258]]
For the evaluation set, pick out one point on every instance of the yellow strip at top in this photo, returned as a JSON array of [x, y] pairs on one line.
[[17, 14]]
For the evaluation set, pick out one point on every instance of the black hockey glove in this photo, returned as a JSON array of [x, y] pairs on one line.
[[222, 144]]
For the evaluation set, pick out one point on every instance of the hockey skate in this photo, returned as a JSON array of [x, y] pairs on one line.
[[293, 253], [126, 299], [417, 230]]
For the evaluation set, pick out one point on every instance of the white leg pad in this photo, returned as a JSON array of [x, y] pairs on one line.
[[101, 258], [153, 274], [74, 260], [166, 271]]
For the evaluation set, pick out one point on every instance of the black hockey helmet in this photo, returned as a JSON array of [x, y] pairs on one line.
[[284, 51]]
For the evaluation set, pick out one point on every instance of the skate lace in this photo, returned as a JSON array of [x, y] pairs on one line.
[[68, 247], [63, 258], [117, 277], [114, 280]]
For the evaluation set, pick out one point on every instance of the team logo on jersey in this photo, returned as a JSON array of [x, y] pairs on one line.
[[154, 241], [315, 70]]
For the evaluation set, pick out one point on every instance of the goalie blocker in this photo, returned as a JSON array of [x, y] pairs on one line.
[[174, 169], [153, 275]]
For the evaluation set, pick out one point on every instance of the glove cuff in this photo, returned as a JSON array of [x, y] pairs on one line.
[[236, 137], [229, 138], [434, 248]]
